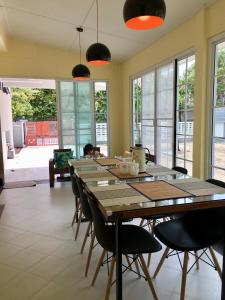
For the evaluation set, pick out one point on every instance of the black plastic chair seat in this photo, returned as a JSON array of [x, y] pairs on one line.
[[134, 240], [185, 235]]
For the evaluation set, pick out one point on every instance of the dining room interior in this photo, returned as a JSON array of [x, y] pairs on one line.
[[134, 203]]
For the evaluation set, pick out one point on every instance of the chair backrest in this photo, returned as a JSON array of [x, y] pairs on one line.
[[61, 157], [83, 199], [180, 169], [104, 236], [150, 157], [75, 188], [216, 182]]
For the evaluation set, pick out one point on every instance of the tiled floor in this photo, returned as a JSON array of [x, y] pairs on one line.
[[39, 260]]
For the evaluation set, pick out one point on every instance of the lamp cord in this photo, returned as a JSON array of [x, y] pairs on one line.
[[97, 18], [80, 47]]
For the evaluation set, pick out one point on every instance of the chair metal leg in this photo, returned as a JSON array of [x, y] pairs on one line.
[[100, 262], [78, 224], [196, 260], [184, 276], [149, 255], [128, 261], [137, 267], [111, 269], [90, 254], [216, 263], [142, 222], [85, 237], [147, 275], [161, 261]]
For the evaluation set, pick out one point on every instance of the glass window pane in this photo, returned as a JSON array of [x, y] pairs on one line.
[[181, 96], [180, 146], [220, 59], [137, 103], [101, 116], [219, 90], [165, 146], [180, 163], [148, 107], [219, 174], [189, 148], [189, 167], [165, 77], [168, 122], [219, 122], [190, 96], [180, 122], [219, 153], [148, 138], [165, 107], [181, 72]]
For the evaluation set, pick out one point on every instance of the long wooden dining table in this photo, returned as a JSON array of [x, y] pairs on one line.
[[161, 192]]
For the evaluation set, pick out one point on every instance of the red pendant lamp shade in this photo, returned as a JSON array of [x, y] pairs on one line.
[[80, 71], [144, 14], [98, 54]]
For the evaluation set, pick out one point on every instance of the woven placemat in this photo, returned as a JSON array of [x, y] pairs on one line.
[[200, 188], [108, 161], [125, 201], [95, 174], [159, 170], [118, 174], [121, 193], [159, 190], [82, 162]]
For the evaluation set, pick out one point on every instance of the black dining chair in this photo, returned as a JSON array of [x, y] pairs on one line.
[[77, 198], [135, 242], [151, 222], [86, 212], [195, 231]]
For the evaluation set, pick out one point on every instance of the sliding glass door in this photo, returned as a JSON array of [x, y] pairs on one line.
[[153, 112], [77, 107], [165, 115]]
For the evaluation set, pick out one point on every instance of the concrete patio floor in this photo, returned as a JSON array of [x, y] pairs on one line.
[[31, 163]]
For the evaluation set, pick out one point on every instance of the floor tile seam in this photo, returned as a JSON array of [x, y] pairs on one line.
[[38, 291]]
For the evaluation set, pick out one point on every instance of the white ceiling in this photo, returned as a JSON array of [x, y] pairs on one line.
[[54, 22]]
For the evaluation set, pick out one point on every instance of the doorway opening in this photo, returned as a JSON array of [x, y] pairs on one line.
[[29, 128]]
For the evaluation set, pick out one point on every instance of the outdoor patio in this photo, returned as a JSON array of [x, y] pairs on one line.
[[31, 163]]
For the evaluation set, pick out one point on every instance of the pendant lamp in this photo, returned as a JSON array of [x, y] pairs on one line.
[[80, 72], [144, 14], [98, 54]]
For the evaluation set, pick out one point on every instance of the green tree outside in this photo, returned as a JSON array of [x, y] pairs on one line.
[[34, 104]]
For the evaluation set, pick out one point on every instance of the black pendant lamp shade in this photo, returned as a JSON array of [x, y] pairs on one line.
[[80, 71], [144, 14], [98, 54]]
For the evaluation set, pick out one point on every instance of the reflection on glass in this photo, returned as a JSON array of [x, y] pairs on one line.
[[219, 122], [148, 138], [219, 90], [219, 174], [189, 148], [165, 146], [219, 153], [180, 146]]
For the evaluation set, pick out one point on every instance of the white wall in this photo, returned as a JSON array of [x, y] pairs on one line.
[[6, 121]]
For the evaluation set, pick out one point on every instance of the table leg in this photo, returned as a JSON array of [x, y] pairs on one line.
[[119, 283], [223, 275]]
